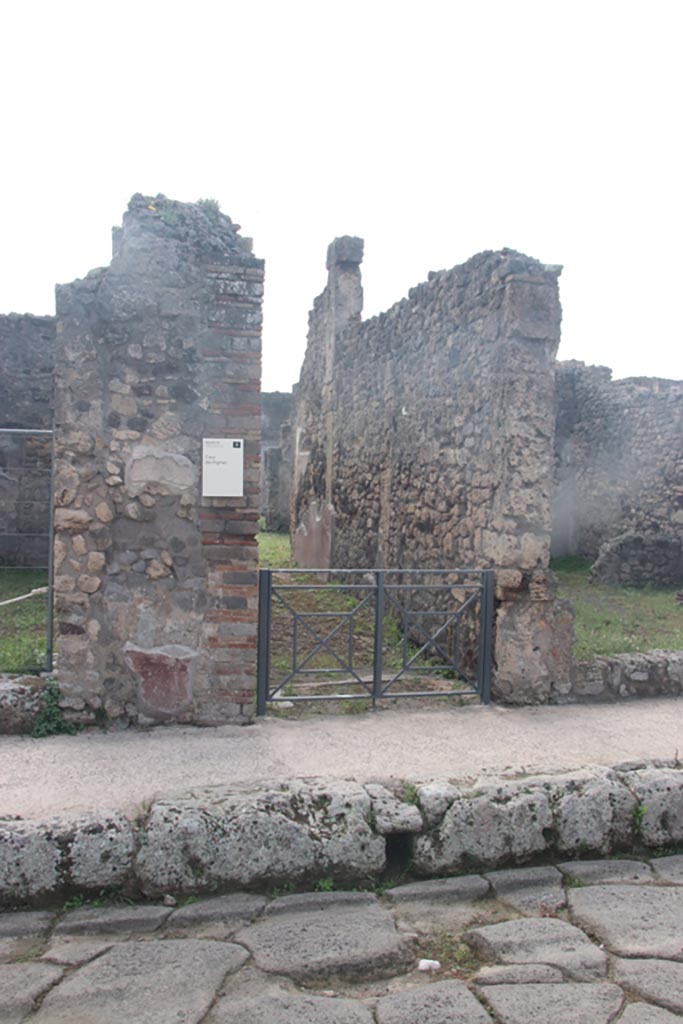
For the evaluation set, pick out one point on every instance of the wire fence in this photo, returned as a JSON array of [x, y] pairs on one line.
[[26, 531]]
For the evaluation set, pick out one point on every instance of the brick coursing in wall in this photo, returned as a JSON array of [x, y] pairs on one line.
[[156, 586]]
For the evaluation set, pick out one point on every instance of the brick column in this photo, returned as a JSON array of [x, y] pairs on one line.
[[231, 366]]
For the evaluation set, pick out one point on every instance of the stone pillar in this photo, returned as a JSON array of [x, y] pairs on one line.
[[340, 304], [157, 586]]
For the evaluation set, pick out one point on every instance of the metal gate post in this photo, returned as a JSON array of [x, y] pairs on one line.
[[265, 591], [486, 635], [49, 661], [379, 637]]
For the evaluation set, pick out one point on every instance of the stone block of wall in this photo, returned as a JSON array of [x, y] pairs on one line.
[[619, 458], [622, 676], [157, 586], [640, 560], [424, 438], [27, 345]]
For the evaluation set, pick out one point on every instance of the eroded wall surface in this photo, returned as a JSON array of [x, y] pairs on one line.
[[27, 345], [619, 452], [424, 438], [157, 586]]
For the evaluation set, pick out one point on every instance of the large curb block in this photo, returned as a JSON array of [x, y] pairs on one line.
[[303, 830], [20, 704]]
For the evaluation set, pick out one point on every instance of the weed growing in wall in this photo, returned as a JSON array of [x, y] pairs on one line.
[[51, 720]]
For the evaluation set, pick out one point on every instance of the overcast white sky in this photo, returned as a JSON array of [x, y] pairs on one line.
[[433, 129]]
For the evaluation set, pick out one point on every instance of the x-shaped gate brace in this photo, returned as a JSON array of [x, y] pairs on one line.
[[482, 591]]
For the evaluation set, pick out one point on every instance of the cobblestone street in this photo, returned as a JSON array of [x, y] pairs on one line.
[[582, 942]]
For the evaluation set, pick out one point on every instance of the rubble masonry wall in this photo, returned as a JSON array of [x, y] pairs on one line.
[[619, 458], [157, 586], [424, 438]]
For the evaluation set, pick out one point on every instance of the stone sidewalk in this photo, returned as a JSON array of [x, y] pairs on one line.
[[128, 770], [583, 942]]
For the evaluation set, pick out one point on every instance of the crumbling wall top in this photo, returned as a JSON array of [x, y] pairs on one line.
[[200, 229], [345, 250]]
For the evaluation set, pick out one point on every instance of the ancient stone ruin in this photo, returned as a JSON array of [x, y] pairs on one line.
[[156, 584], [619, 474], [424, 438], [444, 433]]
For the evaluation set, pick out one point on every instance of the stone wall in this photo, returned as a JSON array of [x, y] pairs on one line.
[[619, 458], [157, 586], [276, 412], [27, 346], [623, 676], [640, 560], [299, 831], [424, 438], [27, 354]]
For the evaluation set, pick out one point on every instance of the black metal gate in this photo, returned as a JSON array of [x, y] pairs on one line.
[[350, 634]]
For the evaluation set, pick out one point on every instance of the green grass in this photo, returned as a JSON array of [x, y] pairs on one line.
[[23, 626], [618, 620], [274, 551]]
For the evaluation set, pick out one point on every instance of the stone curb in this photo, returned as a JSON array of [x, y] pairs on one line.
[[306, 830]]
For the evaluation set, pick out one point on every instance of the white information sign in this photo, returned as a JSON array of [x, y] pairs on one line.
[[222, 467]]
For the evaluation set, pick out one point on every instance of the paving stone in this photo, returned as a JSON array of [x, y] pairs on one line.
[[545, 940], [25, 922], [659, 981], [445, 904], [219, 917], [252, 996], [535, 891], [332, 937], [21, 931], [669, 869], [146, 982], [21, 985], [75, 950], [518, 974], [287, 1009], [304, 901], [632, 920], [643, 1013], [596, 872], [569, 1003], [464, 887], [442, 1002], [107, 920]]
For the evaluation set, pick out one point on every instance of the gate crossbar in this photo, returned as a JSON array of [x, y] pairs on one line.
[[480, 585]]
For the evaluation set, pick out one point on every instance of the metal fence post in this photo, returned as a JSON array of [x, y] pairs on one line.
[[49, 661], [486, 639], [265, 590], [379, 637]]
